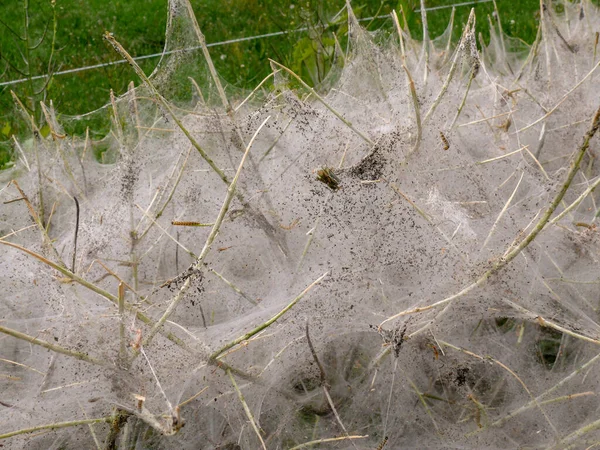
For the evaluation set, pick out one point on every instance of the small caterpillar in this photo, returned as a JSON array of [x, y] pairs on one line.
[[326, 176], [191, 224], [446, 144], [382, 444]]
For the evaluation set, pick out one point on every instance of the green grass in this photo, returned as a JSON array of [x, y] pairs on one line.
[[139, 26]]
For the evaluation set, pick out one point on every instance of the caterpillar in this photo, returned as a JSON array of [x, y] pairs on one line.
[[325, 175], [382, 444], [190, 224], [446, 144]]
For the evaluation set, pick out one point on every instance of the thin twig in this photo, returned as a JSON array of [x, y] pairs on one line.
[[531, 405], [91, 427], [50, 346], [467, 30], [313, 352], [234, 287], [76, 232], [207, 58], [487, 119], [504, 209], [122, 343], [38, 220], [497, 158], [325, 385], [24, 158], [512, 254], [421, 212], [576, 203], [545, 116], [577, 434], [575, 164], [542, 321], [426, 42], [423, 402], [141, 316], [322, 100], [411, 85], [21, 365], [389, 404], [36, 132], [157, 380], [193, 397], [155, 222], [472, 75], [510, 371], [268, 323], [246, 409], [171, 193], [197, 265], [165, 104], [54, 426], [273, 73]]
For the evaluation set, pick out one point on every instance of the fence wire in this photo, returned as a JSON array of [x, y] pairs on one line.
[[217, 44]]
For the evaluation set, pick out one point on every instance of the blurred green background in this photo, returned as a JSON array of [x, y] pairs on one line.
[[42, 36]]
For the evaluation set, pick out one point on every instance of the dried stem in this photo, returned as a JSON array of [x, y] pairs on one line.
[[268, 323], [504, 209], [22, 365], [510, 371], [322, 100], [36, 133], [542, 321], [313, 352], [122, 342], [575, 164], [246, 409], [54, 426], [545, 116], [197, 265], [193, 397], [169, 197], [512, 254], [464, 99], [576, 203], [207, 58], [272, 74], [165, 104], [325, 385], [426, 41], [50, 346], [141, 316], [411, 85], [469, 27], [234, 287], [576, 435], [423, 402], [422, 213], [39, 222], [76, 233]]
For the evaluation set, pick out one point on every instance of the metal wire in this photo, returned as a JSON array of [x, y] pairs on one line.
[[217, 44]]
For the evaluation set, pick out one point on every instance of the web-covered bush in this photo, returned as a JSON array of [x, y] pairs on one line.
[[405, 257]]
